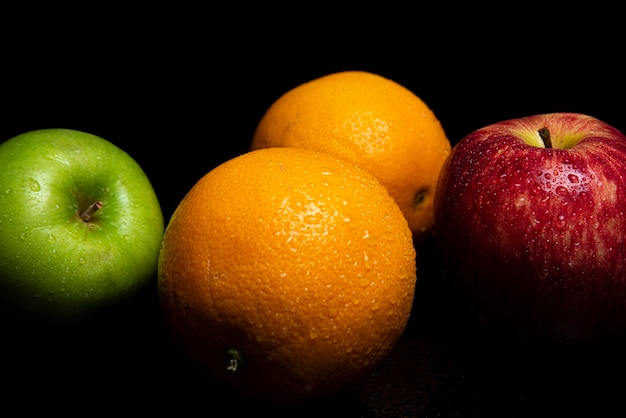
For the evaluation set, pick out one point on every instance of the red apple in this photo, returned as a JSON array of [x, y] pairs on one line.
[[530, 221]]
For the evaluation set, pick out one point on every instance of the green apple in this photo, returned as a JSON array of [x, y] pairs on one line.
[[80, 227]]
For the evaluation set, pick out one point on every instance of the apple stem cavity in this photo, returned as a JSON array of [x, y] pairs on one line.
[[234, 359], [91, 209], [544, 133]]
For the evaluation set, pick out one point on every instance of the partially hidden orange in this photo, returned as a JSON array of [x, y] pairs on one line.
[[370, 121], [287, 274]]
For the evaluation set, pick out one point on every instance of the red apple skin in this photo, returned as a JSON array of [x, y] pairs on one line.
[[533, 237]]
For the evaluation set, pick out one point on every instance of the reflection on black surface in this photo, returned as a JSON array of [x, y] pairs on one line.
[[443, 366]]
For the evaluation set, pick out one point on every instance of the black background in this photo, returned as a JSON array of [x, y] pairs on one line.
[[181, 90]]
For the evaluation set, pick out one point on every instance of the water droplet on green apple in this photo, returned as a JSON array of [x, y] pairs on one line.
[[34, 185], [9, 190], [51, 239], [23, 235], [81, 260]]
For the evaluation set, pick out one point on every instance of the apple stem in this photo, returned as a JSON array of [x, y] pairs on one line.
[[234, 359], [91, 209], [544, 133]]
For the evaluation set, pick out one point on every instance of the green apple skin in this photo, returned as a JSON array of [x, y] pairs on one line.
[[57, 268]]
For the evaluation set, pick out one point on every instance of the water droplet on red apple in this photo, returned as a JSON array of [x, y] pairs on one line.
[[536, 188], [560, 221], [573, 178], [547, 176], [562, 191]]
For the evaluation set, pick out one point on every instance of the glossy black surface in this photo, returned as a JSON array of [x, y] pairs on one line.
[[181, 95]]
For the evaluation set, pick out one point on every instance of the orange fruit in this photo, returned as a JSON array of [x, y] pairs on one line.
[[287, 274], [370, 121]]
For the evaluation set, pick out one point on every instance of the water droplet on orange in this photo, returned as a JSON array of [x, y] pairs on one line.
[[313, 333]]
